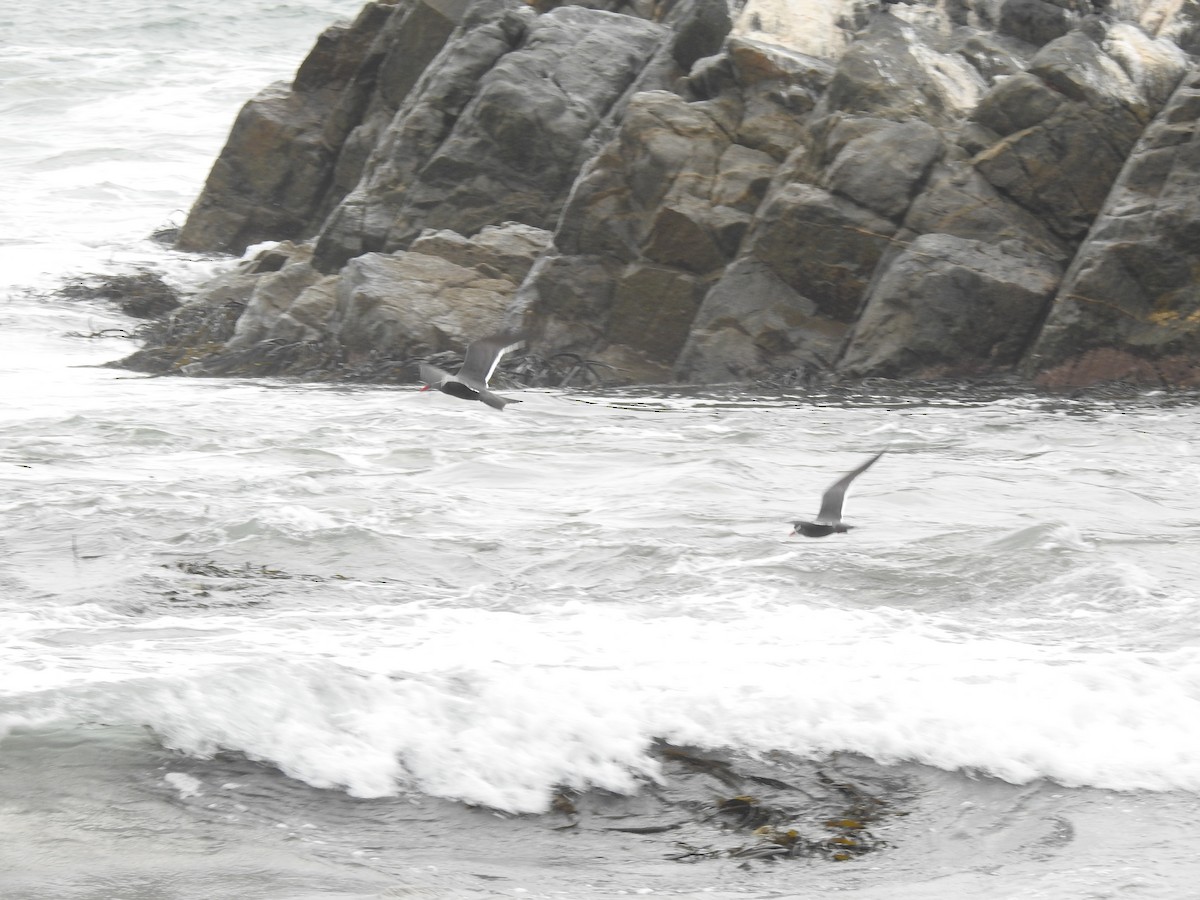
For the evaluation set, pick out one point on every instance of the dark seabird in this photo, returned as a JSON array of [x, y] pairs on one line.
[[829, 519], [471, 382]]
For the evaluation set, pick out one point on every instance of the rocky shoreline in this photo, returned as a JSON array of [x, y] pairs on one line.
[[705, 192]]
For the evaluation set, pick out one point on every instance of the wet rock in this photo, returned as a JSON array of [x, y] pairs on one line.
[[281, 305], [272, 178], [274, 314], [1066, 129], [142, 294], [1035, 21], [497, 134], [507, 250], [407, 303], [647, 191], [753, 324], [700, 32], [441, 295], [951, 307], [663, 209], [882, 169], [657, 330], [1129, 309], [912, 189], [820, 245], [897, 70]]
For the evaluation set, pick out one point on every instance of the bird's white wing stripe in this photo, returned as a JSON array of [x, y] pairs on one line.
[[499, 354]]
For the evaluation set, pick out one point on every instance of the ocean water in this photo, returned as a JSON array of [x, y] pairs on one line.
[[276, 640]]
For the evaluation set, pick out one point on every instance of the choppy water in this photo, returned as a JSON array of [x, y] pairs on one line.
[[290, 641]]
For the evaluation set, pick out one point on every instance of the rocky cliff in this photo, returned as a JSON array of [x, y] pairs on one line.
[[703, 191]]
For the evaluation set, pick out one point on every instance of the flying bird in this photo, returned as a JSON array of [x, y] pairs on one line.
[[471, 382], [829, 519]]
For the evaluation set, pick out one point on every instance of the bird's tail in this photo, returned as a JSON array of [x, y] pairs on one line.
[[495, 401]]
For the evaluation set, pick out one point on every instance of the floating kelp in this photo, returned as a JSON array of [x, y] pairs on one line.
[[195, 341], [211, 585], [211, 569], [142, 293], [184, 340], [710, 805]]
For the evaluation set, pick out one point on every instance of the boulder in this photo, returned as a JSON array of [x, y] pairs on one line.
[[958, 200], [752, 325], [443, 293], [898, 70], [951, 307], [649, 191], [409, 40], [305, 319], [1129, 307], [273, 176], [653, 308], [274, 314], [273, 295], [661, 211], [821, 246], [494, 130], [1035, 21], [508, 250], [700, 32], [1067, 126], [883, 168], [408, 304]]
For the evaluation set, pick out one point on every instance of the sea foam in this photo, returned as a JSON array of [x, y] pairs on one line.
[[499, 709]]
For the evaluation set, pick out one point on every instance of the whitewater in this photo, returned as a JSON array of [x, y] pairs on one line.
[[282, 640]]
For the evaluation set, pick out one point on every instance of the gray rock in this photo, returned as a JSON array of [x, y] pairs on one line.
[[897, 70], [700, 31], [493, 130], [822, 246], [1129, 308], [1067, 127], [958, 200], [653, 309], [661, 166], [508, 250], [950, 307], [883, 169], [407, 304], [442, 294], [430, 109], [1035, 21], [753, 325], [273, 295], [632, 185], [272, 178], [307, 318]]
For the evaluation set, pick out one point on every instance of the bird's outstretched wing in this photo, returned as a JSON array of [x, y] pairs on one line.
[[835, 496], [433, 376], [484, 355]]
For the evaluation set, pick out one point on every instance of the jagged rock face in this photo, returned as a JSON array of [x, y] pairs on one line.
[[439, 295], [273, 178], [949, 305], [291, 304], [397, 301], [498, 134], [277, 315], [910, 189], [1129, 307]]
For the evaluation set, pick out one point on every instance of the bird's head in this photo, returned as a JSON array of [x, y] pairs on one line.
[[433, 377]]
